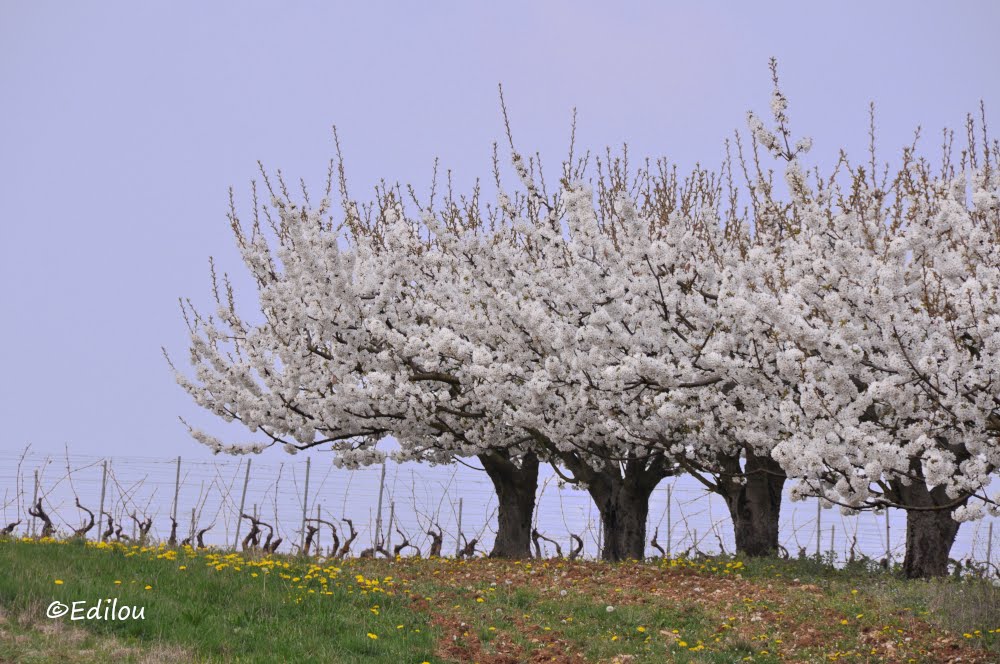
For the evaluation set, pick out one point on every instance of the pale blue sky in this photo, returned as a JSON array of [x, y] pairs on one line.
[[124, 123]]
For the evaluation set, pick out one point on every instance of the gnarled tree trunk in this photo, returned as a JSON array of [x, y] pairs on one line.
[[515, 481], [621, 493], [753, 496], [929, 536], [930, 533], [624, 508]]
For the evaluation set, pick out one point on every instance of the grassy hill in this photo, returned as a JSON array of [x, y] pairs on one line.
[[217, 606]]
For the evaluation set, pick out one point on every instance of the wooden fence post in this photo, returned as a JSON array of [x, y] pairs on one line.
[[458, 535], [243, 500], [819, 524], [989, 550], [378, 515], [388, 533], [670, 490], [177, 489], [319, 532], [34, 501], [305, 506], [100, 514], [888, 547]]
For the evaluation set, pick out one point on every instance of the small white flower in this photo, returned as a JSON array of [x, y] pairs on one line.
[[610, 609]]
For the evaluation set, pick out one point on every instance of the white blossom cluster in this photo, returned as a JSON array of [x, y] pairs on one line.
[[889, 321], [850, 332]]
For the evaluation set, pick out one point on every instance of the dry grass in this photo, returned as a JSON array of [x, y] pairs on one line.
[[29, 638]]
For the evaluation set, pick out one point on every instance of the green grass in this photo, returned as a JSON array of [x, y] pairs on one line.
[[209, 614], [214, 606]]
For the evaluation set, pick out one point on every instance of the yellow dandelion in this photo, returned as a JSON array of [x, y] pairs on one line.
[[640, 629], [149, 587], [372, 636], [59, 582]]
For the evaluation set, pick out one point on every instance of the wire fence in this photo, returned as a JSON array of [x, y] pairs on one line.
[[397, 505]]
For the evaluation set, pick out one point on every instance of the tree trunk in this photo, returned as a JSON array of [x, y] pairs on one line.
[[929, 536], [929, 533], [754, 502], [621, 493], [515, 486], [624, 510]]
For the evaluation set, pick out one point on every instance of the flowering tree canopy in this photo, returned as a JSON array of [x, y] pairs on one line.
[[636, 325], [880, 292]]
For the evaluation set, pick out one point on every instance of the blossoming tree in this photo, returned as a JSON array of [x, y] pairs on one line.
[[630, 328], [882, 295], [336, 357]]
